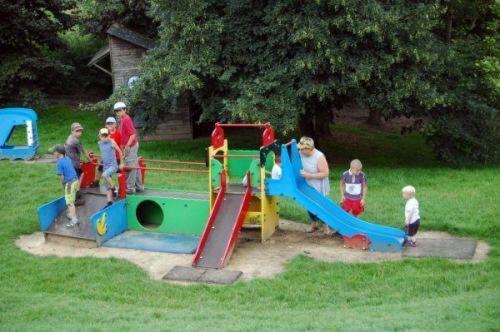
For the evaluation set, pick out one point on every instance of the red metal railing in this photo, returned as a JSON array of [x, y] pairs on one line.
[[211, 219], [217, 137]]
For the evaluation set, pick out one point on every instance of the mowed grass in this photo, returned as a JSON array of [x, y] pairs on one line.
[[49, 293]]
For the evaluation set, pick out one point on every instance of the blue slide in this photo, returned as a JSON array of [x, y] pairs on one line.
[[294, 186]]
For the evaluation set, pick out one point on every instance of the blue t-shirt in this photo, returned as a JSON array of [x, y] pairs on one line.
[[66, 168]]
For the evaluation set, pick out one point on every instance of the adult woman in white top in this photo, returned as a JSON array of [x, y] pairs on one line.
[[315, 171]]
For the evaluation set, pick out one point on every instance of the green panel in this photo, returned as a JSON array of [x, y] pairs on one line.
[[239, 166], [167, 214], [269, 161], [216, 170], [255, 173]]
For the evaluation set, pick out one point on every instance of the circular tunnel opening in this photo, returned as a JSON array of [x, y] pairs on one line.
[[149, 214]]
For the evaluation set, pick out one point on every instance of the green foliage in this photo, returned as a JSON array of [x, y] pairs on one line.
[[97, 16], [29, 33], [465, 126], [290, 62]]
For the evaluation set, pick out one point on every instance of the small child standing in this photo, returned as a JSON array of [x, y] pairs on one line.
[[276, 171], [109, 149], [412, 215], [353, 189], [69, 181]]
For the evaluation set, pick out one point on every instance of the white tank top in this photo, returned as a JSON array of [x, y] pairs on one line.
[[310, 165]]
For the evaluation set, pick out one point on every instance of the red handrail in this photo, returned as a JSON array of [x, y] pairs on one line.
[[244, 125], [160, 161], [217, 136], [164, 169]]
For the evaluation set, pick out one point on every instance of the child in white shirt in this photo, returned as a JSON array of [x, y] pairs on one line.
[[276, 171], [412, 215]]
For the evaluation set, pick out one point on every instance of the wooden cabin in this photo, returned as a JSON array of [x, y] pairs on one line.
[[126, 50]]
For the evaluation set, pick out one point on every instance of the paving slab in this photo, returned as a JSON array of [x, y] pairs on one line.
[[184, 273], [446, 248], [195, 274], [222, 277]]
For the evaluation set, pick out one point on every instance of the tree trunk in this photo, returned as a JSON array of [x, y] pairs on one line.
[[315, 123], [306, 125], [375, 117], [323, 119], [449, 25]]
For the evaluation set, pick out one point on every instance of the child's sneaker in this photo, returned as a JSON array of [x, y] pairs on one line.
[[72, 223], [108, 204], [412, 243]]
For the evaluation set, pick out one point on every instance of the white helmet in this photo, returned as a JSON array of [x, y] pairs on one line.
[[119, 105]]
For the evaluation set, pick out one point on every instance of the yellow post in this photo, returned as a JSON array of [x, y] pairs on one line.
[[269, 219], [212, 152]]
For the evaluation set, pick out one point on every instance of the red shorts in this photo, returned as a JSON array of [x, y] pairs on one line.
[[353, 206]]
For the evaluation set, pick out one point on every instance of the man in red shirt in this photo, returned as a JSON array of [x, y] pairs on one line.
[[130, 147]]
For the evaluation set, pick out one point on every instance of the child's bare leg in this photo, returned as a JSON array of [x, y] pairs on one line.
[[327, 230], [98, 176], [71, 211], [109, 193]]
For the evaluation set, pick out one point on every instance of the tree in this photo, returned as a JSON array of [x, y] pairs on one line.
[[29, 33], [97, 16], [465, 126], [289, 62]]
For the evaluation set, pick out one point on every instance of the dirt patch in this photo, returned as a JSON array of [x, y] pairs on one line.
[[254, 259]]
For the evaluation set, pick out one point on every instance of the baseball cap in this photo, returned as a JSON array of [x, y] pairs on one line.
[[119, 105], [76, 126], [110, 120], [306, 143], [58, 148], [104, 131]]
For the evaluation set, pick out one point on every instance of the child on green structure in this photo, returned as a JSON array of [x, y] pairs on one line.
[[109, 149], [276, 171], [69, 181], [412, 215], [74, 148]]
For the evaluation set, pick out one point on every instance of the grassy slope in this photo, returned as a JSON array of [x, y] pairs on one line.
[[432, 294]]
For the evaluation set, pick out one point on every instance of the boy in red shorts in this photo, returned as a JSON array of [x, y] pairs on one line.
[[353, 189]]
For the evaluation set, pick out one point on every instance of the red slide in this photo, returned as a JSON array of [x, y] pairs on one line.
[[223, 226]]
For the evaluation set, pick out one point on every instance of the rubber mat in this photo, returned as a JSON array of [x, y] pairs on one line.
[[196, 274], [175, 244], [446, 248]]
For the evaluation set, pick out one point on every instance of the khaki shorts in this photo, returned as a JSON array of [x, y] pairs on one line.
[[70, 190]]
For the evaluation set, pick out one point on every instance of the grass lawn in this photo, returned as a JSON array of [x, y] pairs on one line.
[[48, 293]]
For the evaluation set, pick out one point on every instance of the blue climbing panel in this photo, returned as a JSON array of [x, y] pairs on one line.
[[10, 118]]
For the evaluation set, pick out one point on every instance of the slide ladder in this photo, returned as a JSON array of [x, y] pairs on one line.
[[356, 232], [223, 226]]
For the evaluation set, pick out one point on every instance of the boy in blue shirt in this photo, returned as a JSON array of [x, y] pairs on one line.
[[69, 181]]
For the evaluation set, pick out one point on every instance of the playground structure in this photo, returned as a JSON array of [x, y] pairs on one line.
[[216, 218], [10, 120]]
